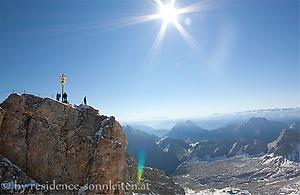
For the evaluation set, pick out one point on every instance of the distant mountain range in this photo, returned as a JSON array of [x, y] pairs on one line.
[[254, 128], [150, 130], [286, 115], [188, 131], [186, 141]]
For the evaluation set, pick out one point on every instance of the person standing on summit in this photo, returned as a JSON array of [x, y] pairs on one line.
[[84, 100], [65, 97], [58, 96]]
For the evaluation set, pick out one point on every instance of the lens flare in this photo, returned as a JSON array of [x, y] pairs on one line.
[[141, 162]]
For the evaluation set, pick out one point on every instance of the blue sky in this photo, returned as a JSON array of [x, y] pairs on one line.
[[248, 56]]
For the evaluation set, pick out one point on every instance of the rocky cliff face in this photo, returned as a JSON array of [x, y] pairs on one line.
[[1, 115], [54, 141], [42, 140]]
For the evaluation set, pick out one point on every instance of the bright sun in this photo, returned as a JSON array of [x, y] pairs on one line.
[[168, 13]]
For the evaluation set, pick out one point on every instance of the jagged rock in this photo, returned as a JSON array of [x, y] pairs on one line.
[[156, 179], [49, 141], [159, 183], [131, 169], [12, 175], [287, 144], [1, 115]]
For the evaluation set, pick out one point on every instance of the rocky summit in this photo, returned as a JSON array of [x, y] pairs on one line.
[[44, 140], [54, 141]]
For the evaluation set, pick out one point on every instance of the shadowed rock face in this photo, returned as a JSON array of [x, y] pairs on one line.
[[156, 179], [1, 115], [156, 157], [10, 172], [49, 141], [287, 144]]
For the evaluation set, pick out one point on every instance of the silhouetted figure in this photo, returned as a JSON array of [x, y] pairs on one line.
[[58, 96], [84, 100], [65, 98]]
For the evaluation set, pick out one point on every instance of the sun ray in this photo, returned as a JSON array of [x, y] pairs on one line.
[[196, 7], [172, 2], [159, 3], [186, 36], [168, 13], [110, 25], [158, 40], [134, 20]]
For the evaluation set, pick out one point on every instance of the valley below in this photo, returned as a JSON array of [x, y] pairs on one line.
[[248, 175]]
